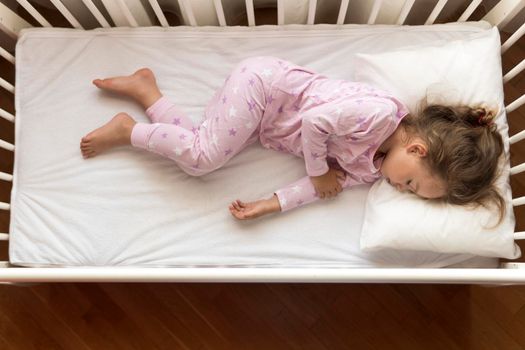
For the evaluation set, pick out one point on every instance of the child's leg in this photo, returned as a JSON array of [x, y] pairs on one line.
[[232, 122], [142, 86]]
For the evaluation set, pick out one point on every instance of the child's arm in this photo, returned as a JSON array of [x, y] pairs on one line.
[[355, 119], [296, 194]]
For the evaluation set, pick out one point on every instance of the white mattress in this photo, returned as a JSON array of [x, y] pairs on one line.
[[130, 207]]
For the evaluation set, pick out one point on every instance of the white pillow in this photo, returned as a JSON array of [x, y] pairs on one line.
[[396, 220], [466, 71]]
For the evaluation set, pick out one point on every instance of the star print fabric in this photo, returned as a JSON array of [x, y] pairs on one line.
[[289, 108], [232, 121]]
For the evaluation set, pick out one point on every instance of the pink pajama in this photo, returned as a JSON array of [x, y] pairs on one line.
[[289, 108], [233, 118]]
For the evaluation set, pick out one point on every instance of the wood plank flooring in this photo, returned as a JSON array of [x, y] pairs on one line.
[[263, 316]]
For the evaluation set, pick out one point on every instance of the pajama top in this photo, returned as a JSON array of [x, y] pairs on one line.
[[328, 122]]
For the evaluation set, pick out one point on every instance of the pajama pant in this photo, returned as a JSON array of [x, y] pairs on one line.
[[232, 122]]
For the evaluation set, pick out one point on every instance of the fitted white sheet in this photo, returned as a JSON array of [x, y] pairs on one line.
[[131, 207]]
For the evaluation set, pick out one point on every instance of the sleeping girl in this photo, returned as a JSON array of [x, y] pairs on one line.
[[348, 133]]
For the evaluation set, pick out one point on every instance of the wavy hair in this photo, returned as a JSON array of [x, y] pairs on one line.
[[464, 149]]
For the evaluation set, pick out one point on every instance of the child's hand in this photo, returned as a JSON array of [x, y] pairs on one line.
[[327, 185], [251, 210]]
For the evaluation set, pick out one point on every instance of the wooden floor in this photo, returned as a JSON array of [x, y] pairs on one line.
[[263, 316]]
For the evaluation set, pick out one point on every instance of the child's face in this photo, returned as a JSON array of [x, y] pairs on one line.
[[403, 168]]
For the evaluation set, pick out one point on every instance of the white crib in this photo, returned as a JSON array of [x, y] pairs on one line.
[[135, 13]]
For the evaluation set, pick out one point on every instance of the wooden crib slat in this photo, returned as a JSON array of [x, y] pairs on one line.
[[312, 9], [280, 12], [5, 206], [470, 9], [514, 71], [515, 104], [96, 13], [127, 13], [405, 11], [33, 12], [10, 22], [517, 137], [65, 12], [518, 201], [517, 169], [5, 54], [187, 12], [342, 12], [250, 12], [220, 12], [519, 235], [7, 145], [6, 176], [158, 12], [513, 38], [7, 86], [7, 116], [504, 12], [436, 11], [375, 11]]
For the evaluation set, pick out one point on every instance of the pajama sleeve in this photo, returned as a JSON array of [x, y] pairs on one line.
[[316, 129], [314, 136], [357, 118], [302, 192], [296, 194], [364, 121]]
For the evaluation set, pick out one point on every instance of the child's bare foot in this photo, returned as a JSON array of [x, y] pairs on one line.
[[140, 85], [117, 132]]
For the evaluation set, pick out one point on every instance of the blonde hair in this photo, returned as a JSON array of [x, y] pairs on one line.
[[464, 149]]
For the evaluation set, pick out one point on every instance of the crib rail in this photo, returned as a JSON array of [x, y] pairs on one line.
[[511, 275], [134, 13]]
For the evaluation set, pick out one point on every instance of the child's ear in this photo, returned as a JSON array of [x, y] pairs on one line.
[[418, 148]]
